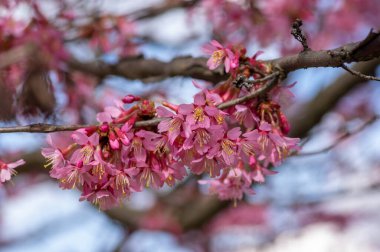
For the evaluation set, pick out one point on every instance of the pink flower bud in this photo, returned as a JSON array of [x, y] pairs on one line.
[[104, 127], [130, 98]]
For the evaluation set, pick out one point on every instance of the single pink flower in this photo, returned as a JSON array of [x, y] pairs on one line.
[[60, 144], [219, 54], [7, 170], [245, 116]]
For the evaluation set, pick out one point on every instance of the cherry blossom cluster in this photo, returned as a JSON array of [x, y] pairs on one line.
[[236, 146], [8, 169]]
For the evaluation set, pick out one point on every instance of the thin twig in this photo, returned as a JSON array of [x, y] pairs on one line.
[[359, 74], [46, 128], [340, 139], [252, 95], [299, 35], [241, 81]]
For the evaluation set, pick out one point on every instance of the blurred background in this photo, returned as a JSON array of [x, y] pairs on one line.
[[325, 199]]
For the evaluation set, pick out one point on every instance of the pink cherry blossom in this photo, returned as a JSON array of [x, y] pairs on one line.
[[219, 55], [231, 185], [8, 169]]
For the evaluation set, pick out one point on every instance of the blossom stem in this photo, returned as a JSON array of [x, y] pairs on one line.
[[253, 94]]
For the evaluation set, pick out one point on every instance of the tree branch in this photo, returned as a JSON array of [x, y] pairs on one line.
[[16, 54], [162, 8], [151, 70]]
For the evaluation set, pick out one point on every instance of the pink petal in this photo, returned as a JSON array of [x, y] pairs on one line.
[[264, 126], [211, 111], [163, 112], [212, 64], [79, 138], [216, 44], [227, 64], [103, 117], [15, 164], [185, 109], [4, 175], [113, 111], [234, 133]]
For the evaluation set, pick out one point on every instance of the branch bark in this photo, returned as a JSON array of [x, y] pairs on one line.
[[152, 70]]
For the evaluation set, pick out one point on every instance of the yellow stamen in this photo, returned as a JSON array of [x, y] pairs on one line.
[[174, 124], [217, 57], [98, 170], [227, 146], [122, 182], [202, 137], [87, 153], [248, 149], [199, 115], [219, 118]]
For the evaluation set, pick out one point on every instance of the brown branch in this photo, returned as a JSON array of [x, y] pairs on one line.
[[359, 74], [46, 128], [152, 70], [16, 54], [340, 139], [254, 94], [162, 8]]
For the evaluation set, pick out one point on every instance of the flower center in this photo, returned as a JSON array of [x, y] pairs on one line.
[[217, 57], [219, 118], [174, 124], [199, 115], [202, 137], [122, 182], [87, 153], [227, 146]]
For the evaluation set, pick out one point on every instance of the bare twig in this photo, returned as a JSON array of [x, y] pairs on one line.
[[340, 139], [241, 81], [359, 74], [46, 128], [253, 94], [299, 35]]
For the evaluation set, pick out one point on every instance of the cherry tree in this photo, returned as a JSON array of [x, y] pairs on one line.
[[239, 127]]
